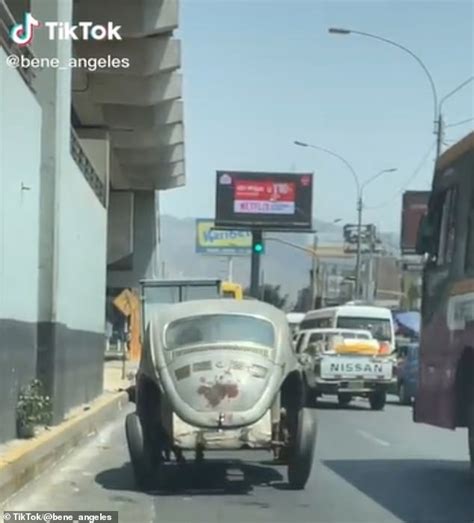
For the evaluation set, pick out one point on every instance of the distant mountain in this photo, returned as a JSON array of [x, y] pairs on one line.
[[281, 264]]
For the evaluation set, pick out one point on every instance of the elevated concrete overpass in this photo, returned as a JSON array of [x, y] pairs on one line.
[[139, 106]]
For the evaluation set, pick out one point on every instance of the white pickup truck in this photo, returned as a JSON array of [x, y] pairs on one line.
[[345, 363]]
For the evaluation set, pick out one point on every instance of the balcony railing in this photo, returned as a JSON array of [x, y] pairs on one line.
[[6, 22], [87, 169]]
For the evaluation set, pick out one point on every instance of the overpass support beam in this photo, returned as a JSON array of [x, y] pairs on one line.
[[135, 216]]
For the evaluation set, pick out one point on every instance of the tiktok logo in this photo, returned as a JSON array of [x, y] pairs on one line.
[[22, 34]]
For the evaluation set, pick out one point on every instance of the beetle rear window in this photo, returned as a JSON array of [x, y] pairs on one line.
[[218, 328]]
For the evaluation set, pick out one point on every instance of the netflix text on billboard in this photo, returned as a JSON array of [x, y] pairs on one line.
[[264, 197]]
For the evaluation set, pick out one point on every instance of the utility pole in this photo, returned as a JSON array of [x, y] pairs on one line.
[[370, 272], [255, 263], [323, 285], [439, 135], [359, 240], [314, 287], [230, 264]]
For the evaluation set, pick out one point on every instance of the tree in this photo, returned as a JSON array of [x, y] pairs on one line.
[[271, 294], [303, 301]]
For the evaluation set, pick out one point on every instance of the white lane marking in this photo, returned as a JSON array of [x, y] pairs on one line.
[[374, 439]]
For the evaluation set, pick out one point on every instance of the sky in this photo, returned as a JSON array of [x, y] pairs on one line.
[[258, 75]]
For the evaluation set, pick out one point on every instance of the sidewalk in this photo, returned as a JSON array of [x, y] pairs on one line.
[[21, 460], [118, 378]]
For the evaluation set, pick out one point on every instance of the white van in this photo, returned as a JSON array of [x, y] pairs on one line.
[[377, 320]]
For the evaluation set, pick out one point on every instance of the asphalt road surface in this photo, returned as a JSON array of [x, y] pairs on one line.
[[371, 467]]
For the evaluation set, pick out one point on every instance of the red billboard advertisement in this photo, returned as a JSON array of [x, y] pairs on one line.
[[264, 197], [268, 200], [414, 207]]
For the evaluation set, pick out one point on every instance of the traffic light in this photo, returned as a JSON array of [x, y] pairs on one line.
[[257, 242]]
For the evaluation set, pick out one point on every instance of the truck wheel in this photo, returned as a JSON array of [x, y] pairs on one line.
[[377, 399], [344, 399], [470, 432], [403, 397]]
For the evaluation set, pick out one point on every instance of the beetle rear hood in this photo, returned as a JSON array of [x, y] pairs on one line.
[[233, 384]]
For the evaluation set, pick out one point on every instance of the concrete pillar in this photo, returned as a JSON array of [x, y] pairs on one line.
[[144, 260], [53, 89]]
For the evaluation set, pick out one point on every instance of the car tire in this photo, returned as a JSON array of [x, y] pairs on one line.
[[470, 433], [301, 455], [139, 455], [344, 399], [377, 399], [403, 397]]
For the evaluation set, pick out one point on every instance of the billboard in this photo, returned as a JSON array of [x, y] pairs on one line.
[[223, 243], [277, 201], [414, 206], [368, 239]]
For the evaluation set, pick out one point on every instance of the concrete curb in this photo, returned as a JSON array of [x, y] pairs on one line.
[[23, 464]]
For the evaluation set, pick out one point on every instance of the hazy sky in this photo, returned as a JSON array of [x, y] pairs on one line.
[[260, 74]]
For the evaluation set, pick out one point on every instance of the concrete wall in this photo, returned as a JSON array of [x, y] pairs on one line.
[[19, 233], [80, 289]]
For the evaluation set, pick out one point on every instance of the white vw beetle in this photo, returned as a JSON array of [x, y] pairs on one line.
[[219, 374]]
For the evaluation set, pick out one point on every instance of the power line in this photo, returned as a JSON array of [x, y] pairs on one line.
[[408, 181], [462, 122]]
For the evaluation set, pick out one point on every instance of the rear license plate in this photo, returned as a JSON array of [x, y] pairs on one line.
[[355, 385], [359, 368]]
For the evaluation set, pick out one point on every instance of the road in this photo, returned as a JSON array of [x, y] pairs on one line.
[[371, 467]]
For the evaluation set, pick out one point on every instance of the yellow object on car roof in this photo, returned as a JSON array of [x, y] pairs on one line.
[[354, 346]]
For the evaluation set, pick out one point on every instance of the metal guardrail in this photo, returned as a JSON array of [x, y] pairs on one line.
[[87, 168], [7, 20]]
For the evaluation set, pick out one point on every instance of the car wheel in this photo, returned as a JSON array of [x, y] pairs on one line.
[[302, 452], [403, 397], [139, 455], [377, 399]]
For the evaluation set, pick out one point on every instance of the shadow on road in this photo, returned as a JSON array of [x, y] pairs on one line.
[[216, 477], [421, 491], [333, 405]]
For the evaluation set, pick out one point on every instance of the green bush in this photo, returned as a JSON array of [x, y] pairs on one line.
[[34, 407]]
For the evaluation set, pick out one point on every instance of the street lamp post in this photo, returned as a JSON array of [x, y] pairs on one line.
[[315, 262], [345, 31], [360, 189], [440, 123], [314, 267], [437, 107], [360, 206]]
